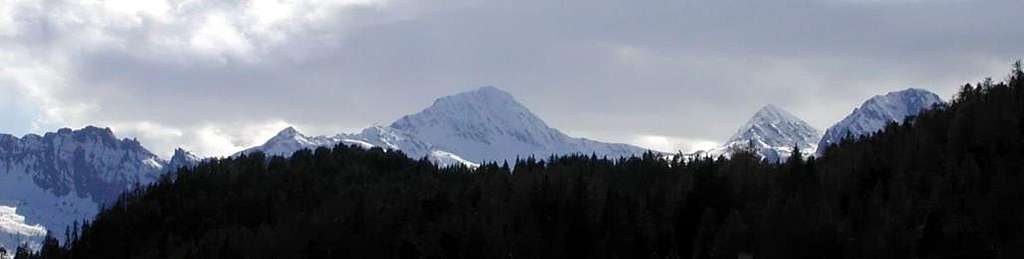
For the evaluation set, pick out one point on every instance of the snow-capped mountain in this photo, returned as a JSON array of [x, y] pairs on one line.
[[878, 111], [488, 124], [772, 132], [58, 178], [485, 124]]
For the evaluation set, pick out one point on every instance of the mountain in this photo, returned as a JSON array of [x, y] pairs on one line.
[[61, 177], [878, 111], [772, 132], [486, 124]]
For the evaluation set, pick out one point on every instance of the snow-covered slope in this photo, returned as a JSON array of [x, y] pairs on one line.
[[485, 124], [14, 230], [878, 111], [61, 177], [773, 132]]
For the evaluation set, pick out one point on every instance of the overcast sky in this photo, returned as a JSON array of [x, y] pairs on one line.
[[218, 76]]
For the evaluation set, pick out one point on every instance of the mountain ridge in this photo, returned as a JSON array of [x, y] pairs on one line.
[[60, 177], [873, 114], [480, 125]]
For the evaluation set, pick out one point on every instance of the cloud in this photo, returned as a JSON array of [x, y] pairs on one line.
[[673, 144], [666, 74]]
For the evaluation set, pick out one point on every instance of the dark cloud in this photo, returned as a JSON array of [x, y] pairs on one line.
[[612, 70]]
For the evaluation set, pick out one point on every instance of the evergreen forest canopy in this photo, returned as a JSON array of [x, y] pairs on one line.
[[947, 183]]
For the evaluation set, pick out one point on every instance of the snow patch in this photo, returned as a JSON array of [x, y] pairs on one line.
[[14, 231]]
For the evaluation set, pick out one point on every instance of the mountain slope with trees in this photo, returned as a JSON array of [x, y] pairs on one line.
[[943, 184]]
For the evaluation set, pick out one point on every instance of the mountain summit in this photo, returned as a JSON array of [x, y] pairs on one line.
[[878, 111], [485, 124], [773, 132]]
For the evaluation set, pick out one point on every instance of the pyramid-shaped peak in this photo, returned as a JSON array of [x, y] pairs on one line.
[[485, 107], [775, 127], [287, 134], [289, 131]]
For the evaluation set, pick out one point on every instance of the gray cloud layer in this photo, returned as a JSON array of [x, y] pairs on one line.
[[218, 76]]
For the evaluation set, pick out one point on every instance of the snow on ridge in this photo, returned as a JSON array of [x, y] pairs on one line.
[[878, 111]]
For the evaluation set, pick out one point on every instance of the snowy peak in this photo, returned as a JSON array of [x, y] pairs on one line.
[[774, 127], [182, 158], [289, 140], [482, 115], [878, 111], [484, 124], [288, 134], [488, 124], [772, 132]]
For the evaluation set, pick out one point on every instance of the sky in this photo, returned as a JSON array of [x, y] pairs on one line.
[[215, 77]]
